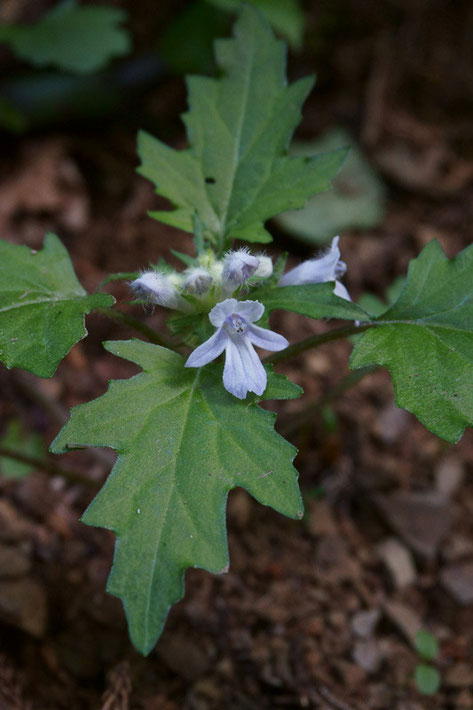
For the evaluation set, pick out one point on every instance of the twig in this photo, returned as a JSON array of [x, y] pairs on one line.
[[48, 467], [315, 341], [330, 698]]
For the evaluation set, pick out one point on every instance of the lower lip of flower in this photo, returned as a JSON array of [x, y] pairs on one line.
[[236, 324]]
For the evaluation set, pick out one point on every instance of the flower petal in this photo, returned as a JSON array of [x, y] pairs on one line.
[[223, 309], [250, 310], [243, 371], [341, 291], [267, 339], [314, 271], [209, 350]]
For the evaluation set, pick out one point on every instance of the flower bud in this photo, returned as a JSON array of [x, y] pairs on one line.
[[238, 266], [197, 280], [265, 267], [156, 287]]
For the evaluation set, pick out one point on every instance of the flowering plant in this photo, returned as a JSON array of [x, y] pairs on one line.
[[189, 427]]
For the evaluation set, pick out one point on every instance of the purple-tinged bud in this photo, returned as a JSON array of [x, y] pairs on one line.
[[238, 266], [198, 280], [156, 287]]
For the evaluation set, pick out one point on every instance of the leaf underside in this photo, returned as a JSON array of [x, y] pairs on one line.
[[42, 306], [426, 341], [236, 173], [183, 444]]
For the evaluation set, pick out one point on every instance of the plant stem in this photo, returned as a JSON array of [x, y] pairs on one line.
[[50, 468], [314, 406], [139, 326], [315, 341]]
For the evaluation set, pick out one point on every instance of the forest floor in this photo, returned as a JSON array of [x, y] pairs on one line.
[[320, 613]]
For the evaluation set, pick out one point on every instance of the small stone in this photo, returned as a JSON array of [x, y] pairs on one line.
[[398, 561], [449, 476], [364, 622], [421, 519], [459, 676], [458, 580], [406, 619], [13, 562], [367, 655], [321, 520], [464, 700], [23, 604]]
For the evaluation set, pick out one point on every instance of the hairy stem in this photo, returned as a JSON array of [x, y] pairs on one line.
[[314, 341], [139, 326], [48, 467]]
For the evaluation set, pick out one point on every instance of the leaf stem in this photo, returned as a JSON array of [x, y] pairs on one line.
[[139, 326], [48, 467], [314, 341]]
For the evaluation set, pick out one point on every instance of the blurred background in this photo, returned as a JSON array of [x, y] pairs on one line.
[[322, 613]]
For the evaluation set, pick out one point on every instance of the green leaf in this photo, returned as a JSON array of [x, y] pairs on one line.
[[426, 645], [183, 443], [42, 306], [375, 306], [18, 440], [236, 173], [285, 16], [78, 39], [356, 200], [426, 341], [427, 679], [313, 300]]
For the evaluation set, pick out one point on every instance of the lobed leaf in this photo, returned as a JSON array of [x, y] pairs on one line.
[[42, 306], [78, 39], [183, 443], [426, 341], [236, 173], [313, 300]]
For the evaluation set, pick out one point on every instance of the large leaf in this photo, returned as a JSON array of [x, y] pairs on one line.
[[313, 300], [426, 341], [183, 442], [42, 306], [79, 39], [236, 173], [356, 201]]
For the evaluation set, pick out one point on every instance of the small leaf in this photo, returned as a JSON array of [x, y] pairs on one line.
[[183, 443], [78, 39], [16, 439], [427, 679], [236, 173], [313, 300], [426, 645], [426, 341], [356, 200], [42, 306]]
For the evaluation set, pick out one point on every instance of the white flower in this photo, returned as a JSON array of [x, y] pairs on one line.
[[238, 266], [236, 334], [319, 270], [159, 288], [198, 280]]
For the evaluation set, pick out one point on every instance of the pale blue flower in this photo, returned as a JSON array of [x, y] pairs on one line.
[[236, 334], [319, 270]]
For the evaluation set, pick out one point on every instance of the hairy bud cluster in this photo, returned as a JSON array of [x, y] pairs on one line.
[[204, 284]]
